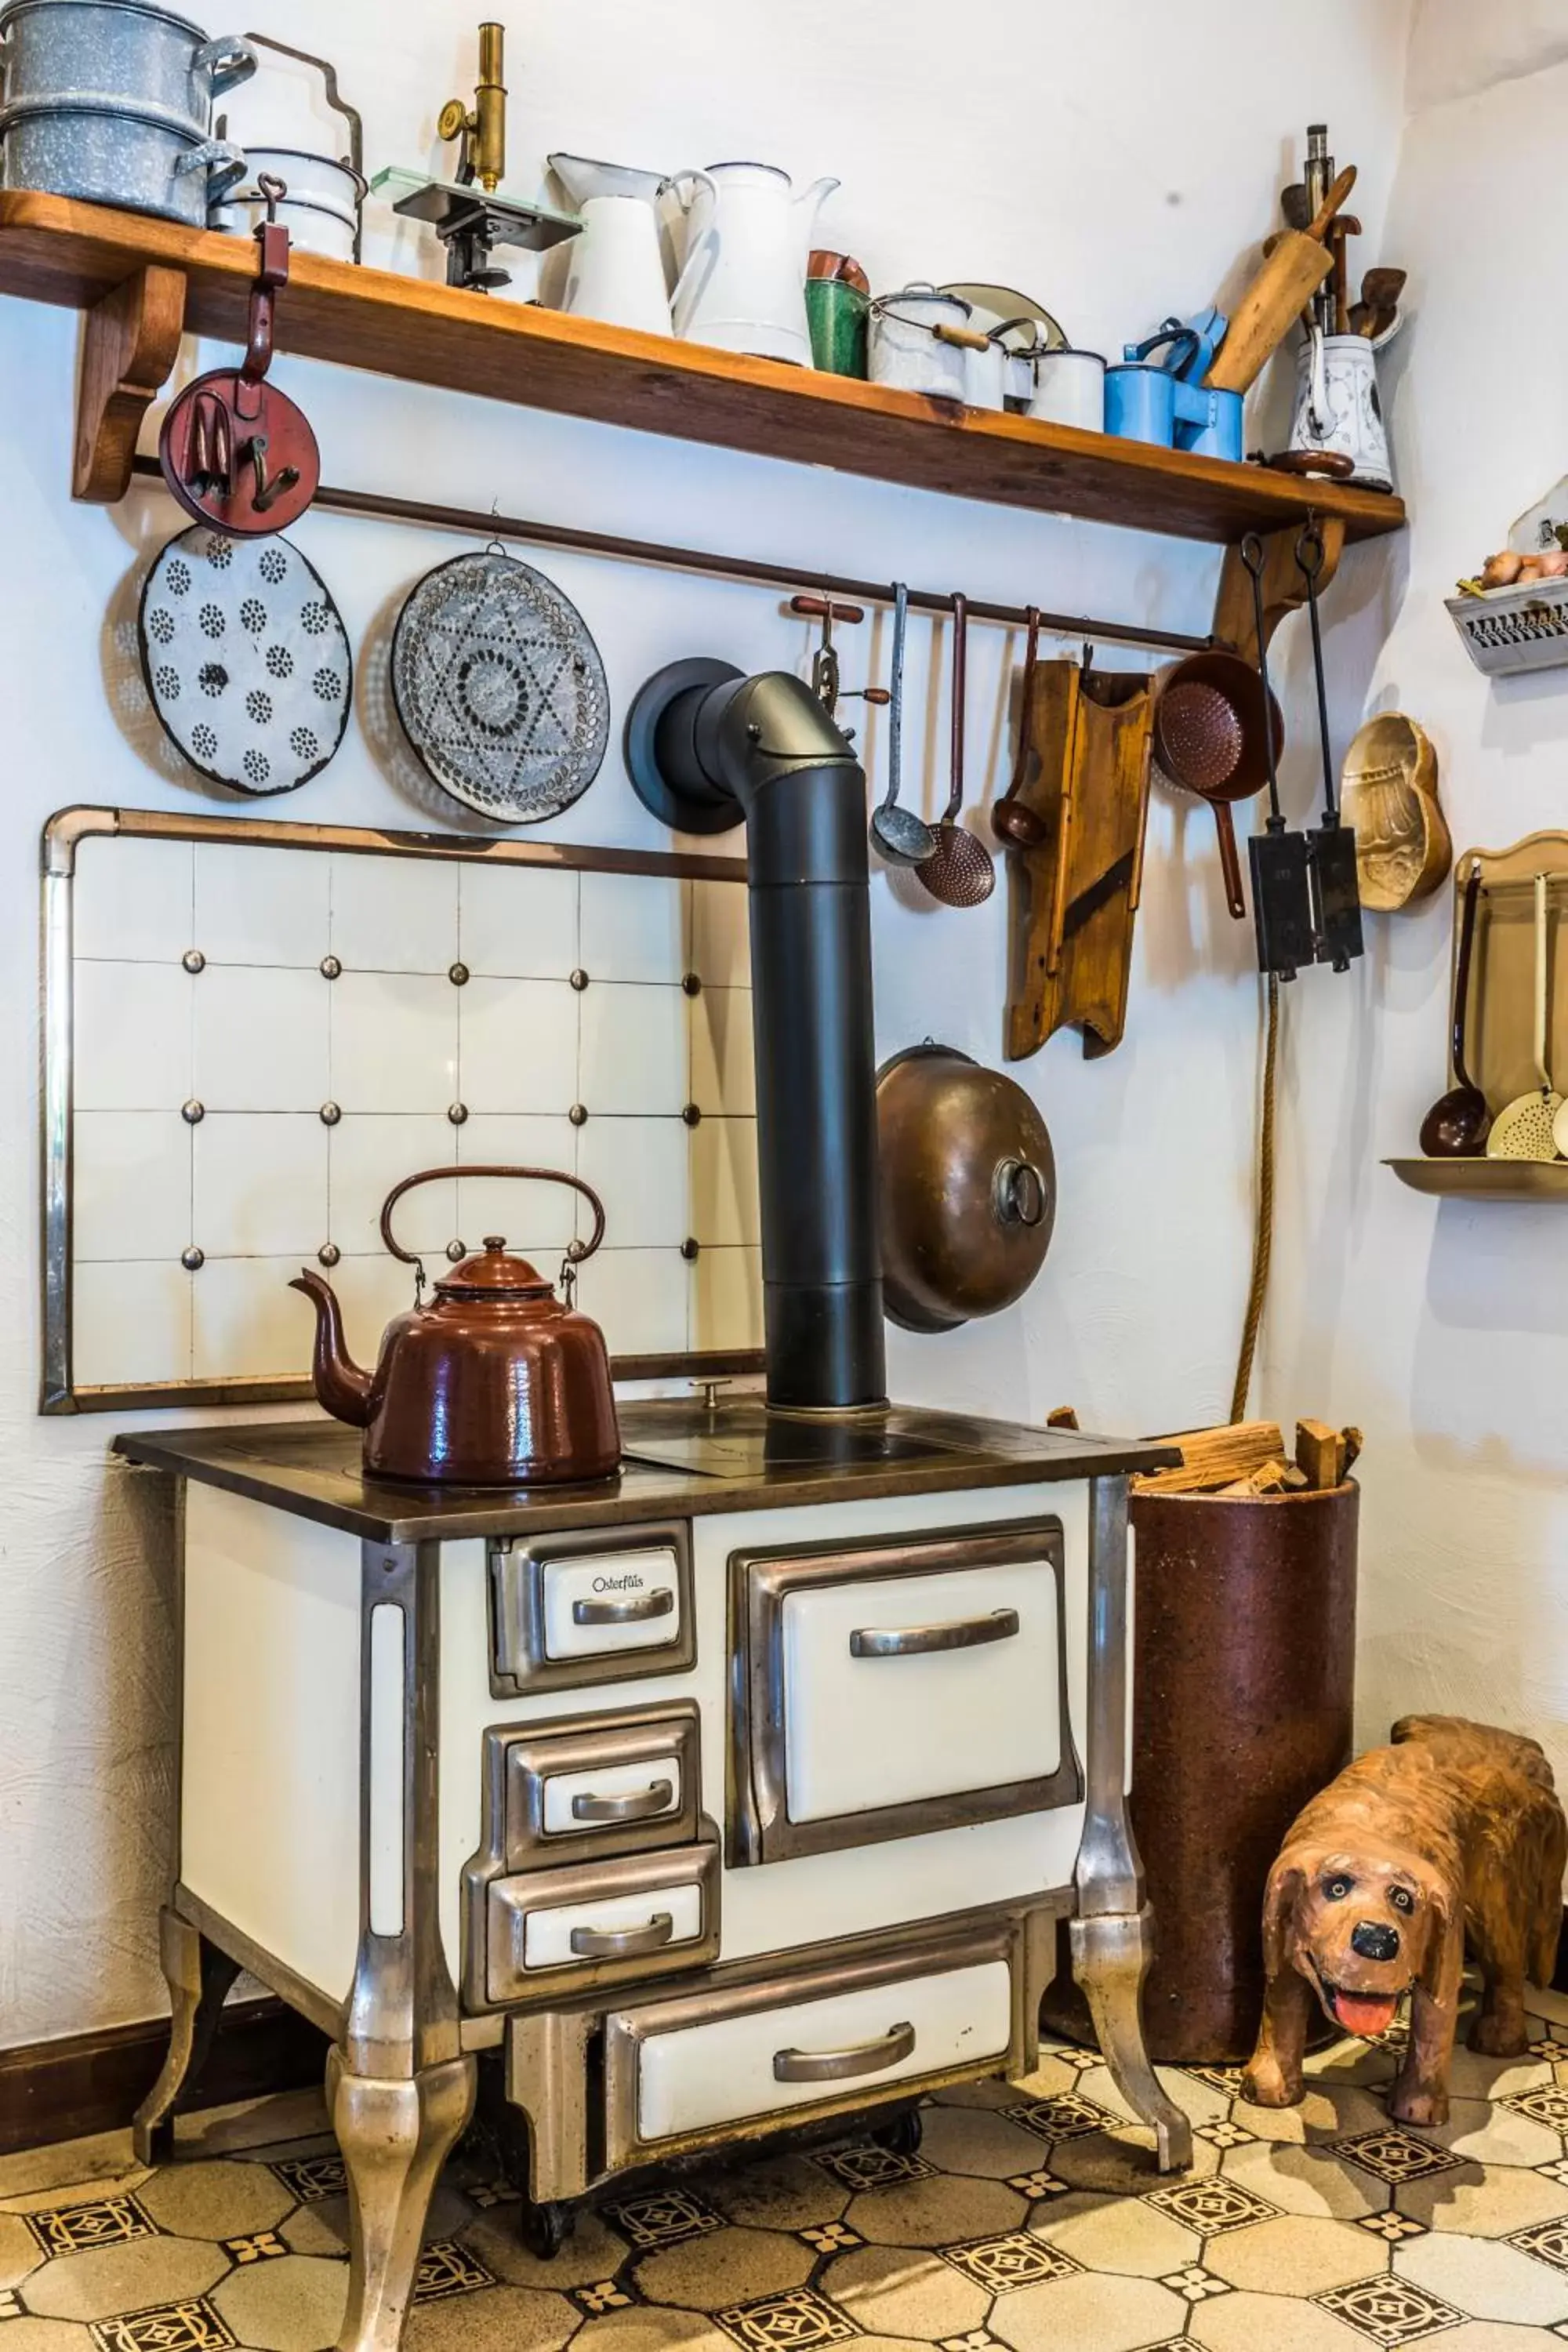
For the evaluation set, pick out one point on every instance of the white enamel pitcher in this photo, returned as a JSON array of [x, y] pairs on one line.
[[747, 236], [615, 270]]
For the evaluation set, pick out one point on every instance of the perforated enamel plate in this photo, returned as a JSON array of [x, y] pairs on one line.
[[246, 658], [500, 689]]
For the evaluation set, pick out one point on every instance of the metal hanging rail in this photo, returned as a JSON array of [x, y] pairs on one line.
[[475, 523]]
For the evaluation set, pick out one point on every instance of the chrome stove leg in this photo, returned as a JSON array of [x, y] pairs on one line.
[[399, 2087], [199, 1976], [1113, 1936], [394, 2138]]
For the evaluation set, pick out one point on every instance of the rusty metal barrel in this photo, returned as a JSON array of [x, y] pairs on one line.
[[1244, 1674]]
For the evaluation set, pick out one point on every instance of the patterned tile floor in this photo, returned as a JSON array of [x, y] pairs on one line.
[[1030, 2222]]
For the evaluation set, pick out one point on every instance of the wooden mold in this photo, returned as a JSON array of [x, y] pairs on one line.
[[1075, 897]]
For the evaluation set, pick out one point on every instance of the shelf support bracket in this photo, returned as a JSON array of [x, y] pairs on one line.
[[1283, 587], [129, 350]]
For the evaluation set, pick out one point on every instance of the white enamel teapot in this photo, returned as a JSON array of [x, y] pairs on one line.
[[747, 236]]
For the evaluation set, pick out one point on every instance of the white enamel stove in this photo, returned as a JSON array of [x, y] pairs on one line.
[[743, 1792]]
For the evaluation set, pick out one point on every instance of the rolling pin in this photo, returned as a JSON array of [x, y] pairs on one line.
[[1297, 262]]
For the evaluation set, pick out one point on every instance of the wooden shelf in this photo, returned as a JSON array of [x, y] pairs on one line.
[[1485, 1179], [53, 250]]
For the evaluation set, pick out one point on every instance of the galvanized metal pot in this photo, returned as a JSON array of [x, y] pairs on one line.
[[111, 101]]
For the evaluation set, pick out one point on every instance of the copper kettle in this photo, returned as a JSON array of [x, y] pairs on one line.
[[494, 1383]]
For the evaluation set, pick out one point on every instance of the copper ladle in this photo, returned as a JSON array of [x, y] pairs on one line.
[[1011, 821], [1457, 1125]]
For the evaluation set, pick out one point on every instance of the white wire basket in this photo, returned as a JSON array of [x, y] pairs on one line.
[[1511, 629]]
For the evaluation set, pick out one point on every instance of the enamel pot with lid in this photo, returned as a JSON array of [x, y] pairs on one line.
[[969, 1189], [495, 1384]]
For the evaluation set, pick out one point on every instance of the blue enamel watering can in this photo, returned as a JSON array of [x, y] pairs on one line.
[[1164, 401]]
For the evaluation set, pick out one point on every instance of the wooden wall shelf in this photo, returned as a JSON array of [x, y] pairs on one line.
[[1485, 1179], [53, 250]]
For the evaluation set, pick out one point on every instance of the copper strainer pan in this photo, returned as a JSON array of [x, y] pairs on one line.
[[1209, 720]]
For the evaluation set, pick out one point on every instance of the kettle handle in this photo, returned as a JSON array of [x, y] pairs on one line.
[[576, 1251]]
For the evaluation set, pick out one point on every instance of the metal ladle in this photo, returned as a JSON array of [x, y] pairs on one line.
[[1457, 1125], [960, 871], [901, 837]]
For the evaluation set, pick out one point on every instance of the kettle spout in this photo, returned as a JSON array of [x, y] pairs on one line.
[[341, 1386]]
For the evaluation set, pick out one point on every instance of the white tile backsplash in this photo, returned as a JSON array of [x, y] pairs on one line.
[[632, 927], [719, 939], [394, 914], [371, 1291], [638, 1299], [519, 1049], [638, 1167], [552, 1215], [518, 922], [723, 1065], [130, 1323], [634, 1050], [131, 1184], [394, 1041], [132, 899], [245, 1322], [132, 1036], [263, 1040], [259, 1183], [724, 1197], [366, 1156], [260, 1038], [727, 1299], [261, 906]]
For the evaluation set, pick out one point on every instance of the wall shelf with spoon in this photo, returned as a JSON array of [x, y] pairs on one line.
[[1508, 939]]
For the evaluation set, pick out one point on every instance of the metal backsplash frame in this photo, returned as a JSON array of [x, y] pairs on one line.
[[63, 835]]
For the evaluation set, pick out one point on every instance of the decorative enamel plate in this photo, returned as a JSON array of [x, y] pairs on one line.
[[500, 689], [246, 658]]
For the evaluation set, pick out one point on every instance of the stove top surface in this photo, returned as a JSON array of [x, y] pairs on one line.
[[683, 1458]]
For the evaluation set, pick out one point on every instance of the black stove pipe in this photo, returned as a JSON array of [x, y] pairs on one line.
[[705, 746]]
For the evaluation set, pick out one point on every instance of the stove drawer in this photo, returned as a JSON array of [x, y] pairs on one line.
[[898, 1689], [840, 2036], [573, 1610], [572, 1790], [551, 1932]]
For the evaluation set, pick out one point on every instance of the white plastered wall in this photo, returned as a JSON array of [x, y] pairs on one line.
[[1120, 162], [1442, 1328]]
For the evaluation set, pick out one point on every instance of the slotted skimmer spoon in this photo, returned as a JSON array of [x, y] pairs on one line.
[[960, 871], [903, 838], [1522, 1128]]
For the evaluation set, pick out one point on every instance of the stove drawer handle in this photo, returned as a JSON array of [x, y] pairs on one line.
[[637, 1805], [918, 1641], [843, 2065], [635, 1612], [623, 1943]]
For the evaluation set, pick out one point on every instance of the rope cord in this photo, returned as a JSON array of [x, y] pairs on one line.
[[1263, 1232]]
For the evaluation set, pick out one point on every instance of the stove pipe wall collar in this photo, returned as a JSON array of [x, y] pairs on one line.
[[707, 748]]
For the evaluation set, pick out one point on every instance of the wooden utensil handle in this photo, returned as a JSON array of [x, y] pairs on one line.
[[1229, 863], [825, 608], [963, 338], [1331, 203]]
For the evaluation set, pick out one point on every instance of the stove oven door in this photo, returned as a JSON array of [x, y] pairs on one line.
[[898, 1689]]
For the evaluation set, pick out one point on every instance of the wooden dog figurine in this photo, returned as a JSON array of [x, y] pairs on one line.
[[1454, 1829]]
